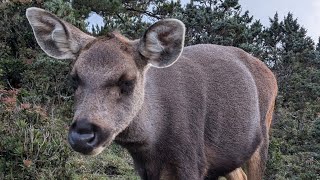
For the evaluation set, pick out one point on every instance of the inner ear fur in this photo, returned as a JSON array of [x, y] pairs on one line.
[[163, 42], [56, 37]]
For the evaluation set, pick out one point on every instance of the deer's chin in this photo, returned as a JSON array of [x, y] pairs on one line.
[[96, 151]]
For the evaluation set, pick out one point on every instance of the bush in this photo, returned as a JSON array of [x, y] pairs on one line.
[[294, 148], [33, 130]]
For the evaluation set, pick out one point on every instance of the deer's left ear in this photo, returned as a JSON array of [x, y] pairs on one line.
[[163, 42]]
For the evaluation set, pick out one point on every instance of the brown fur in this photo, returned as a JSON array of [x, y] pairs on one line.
[[199, 118], [237, 174]]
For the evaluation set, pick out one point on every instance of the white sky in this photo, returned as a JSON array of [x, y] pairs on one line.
[[307, 12], [94, 20]]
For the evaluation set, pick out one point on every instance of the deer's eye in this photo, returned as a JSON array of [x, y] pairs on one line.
[[126, 86]]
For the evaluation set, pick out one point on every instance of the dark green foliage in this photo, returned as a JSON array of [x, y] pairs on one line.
[[125, 16], [34, 121], [291, 54], [221, 23], [36, 96], [11, 72], [63, 9], [16, 35], [46, 81], [318, 45]]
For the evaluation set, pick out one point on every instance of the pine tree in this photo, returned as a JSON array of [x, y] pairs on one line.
[[126, 16], [292, 55], [318, 45]]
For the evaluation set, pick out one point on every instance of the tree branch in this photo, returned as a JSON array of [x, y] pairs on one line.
[[122, 20], [148, 13]]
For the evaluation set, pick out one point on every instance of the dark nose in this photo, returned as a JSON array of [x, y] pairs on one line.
[[83, 136]]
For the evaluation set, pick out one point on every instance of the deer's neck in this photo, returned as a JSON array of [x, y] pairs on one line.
[[141, 131]]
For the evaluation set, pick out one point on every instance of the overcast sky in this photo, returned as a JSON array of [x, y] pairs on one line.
[[307, 12]]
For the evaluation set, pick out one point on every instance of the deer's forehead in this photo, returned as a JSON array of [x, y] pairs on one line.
[[103, 54], [105, 58]]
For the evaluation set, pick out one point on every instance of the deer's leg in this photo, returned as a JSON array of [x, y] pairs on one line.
[[237, 174]]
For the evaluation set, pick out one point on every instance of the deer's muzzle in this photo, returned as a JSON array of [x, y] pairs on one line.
[[85, 136]]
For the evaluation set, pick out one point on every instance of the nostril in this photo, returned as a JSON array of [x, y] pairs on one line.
[[87, 137], [82, 133]]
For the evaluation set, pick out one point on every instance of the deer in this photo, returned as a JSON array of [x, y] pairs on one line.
[[190, 113]]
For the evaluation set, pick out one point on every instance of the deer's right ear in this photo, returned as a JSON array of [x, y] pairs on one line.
[[56, 37]]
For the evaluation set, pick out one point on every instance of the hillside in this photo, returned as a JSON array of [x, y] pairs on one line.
[[36, 93]]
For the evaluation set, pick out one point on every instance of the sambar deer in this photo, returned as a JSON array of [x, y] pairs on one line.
[[189, 113]]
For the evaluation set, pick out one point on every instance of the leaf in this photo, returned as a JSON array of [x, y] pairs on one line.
[[27, 163]]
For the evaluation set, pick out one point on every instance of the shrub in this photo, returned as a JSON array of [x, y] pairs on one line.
[[32, 128]]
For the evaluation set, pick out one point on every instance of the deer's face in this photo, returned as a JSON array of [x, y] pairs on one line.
[[108, 95], [109, 73]]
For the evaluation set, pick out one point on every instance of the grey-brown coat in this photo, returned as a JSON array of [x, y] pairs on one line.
[[199, 118]]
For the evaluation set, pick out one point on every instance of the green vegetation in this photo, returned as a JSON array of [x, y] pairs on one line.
[[36, 95]]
